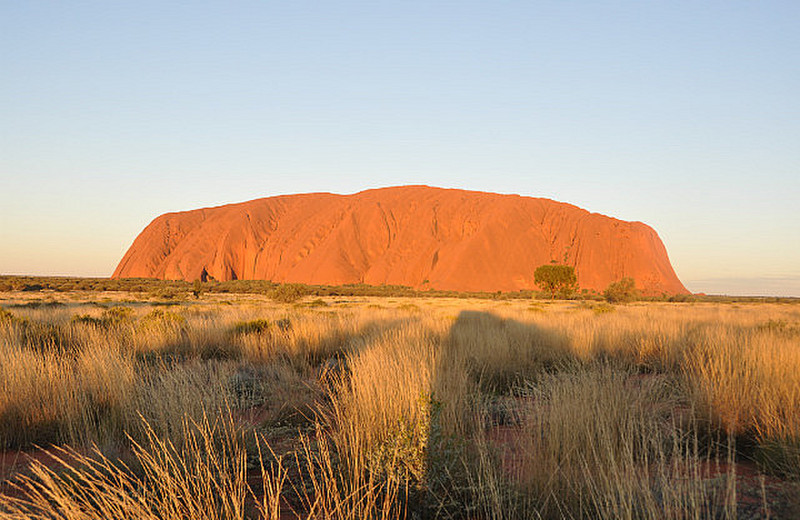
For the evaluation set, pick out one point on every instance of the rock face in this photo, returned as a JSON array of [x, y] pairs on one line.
[[412, 235]]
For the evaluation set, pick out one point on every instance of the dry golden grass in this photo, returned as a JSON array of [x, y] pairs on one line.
[[390, 408], [601, 442], [202, 478]]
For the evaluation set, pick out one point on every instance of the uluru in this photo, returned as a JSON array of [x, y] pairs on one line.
[[416, 236]]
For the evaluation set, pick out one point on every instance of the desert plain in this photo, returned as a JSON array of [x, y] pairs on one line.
[[200, 404]]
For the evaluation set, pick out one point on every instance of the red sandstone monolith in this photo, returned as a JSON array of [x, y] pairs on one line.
[[417, 236]]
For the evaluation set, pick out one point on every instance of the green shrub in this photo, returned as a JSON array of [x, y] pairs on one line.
[[251, 327], [623, 291], [117, 314], [556, 279], [168, 293], [162, 320], [284, 324], [288, 292], [110, 317], [87, 319], [603, 308]]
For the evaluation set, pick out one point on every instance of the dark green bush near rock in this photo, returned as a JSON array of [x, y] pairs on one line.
[[288, 292], [556, 280], [623, 291]]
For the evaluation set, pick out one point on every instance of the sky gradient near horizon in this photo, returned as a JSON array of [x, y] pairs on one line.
[[683, 115]]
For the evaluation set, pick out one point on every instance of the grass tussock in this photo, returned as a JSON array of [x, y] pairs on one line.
[[601, 443], [204, 477]]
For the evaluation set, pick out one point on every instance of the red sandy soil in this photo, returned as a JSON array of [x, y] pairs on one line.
[[14, 463], [416, 236]]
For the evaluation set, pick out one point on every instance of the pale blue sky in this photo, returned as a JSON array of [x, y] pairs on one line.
[[683, 115]]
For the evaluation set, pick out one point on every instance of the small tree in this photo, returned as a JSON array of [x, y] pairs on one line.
[[556, 279], [622, 291]]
